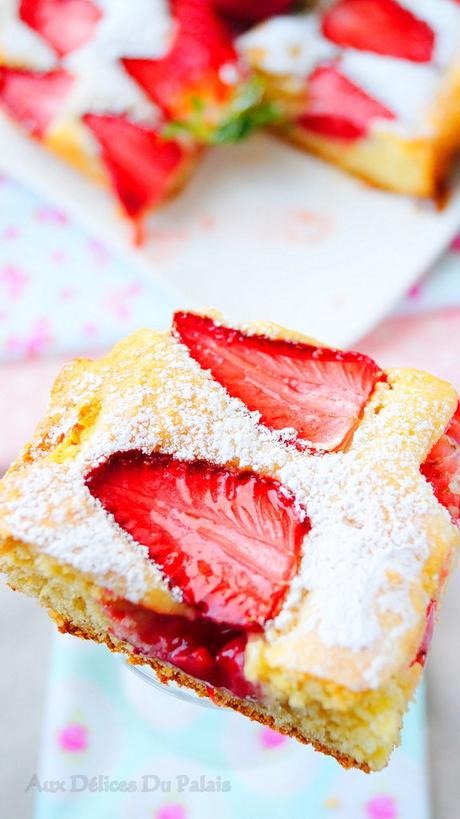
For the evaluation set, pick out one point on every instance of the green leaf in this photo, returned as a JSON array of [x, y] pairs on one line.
[[247, 111]]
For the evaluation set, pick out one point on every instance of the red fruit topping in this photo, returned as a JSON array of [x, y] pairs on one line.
[[208, 651], [64, 24], [33, 98], [428, 634], [318, 392], [381, 26], [230, 541], [141, 164], [187, 81], [338, 108], [231, 663], [442, 468], [251, 11]]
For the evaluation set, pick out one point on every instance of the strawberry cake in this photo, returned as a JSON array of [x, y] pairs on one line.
[[257, 517], [130, 92], [125, 91], [371, 85]]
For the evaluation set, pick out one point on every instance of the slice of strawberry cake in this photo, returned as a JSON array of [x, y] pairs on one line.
[[125, 91], [258, 517], [371, 85]]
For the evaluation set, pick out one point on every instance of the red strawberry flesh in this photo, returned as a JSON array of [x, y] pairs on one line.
[[34, 98], [208, 651], [318, 392], [229, 541], [442, 468], [251, 11], [381, 26], [188, 78], [338, 108], [64, 24], [141, 164]]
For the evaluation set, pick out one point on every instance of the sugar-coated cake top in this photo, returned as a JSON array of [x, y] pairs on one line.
[[295, 45], [355, 611], [140, 28]]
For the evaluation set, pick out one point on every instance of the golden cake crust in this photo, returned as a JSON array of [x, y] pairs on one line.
[[416, 167], [339, 656]]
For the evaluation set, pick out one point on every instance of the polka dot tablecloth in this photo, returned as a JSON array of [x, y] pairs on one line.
[[61, 291], [113, 747]]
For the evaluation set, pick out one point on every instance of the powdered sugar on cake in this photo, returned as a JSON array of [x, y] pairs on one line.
[[293, 46], [22, 45], [287, 45], [370, 509], [139, 28]]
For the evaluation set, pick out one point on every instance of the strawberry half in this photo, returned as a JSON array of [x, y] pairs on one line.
[[33, 98], [142, 165], [210, 651], [318, 392], [64, 24], [381, 26], [442, 468], [338, 108], [251, 11], [199, 84], [230, 541]]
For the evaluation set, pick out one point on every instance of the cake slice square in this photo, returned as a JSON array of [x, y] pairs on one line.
[[258, 517], [370, 85]]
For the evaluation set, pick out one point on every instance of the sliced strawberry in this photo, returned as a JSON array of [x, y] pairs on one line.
[[229, 541], [318, 392], [33, 98], [142, 165], [381, 26], [196, 82], [442, 468], [230, 660], [251, 11], [204, 649], [338, 108], [64, 24]]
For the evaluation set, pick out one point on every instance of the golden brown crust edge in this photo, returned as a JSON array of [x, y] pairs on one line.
[[72, 599], [221, 697]]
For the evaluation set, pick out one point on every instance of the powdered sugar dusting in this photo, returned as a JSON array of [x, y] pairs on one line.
[[370, 509], [23, 46], [139, 28], [293, 46]]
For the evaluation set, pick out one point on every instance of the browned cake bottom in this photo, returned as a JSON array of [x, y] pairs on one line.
[[74, 601]]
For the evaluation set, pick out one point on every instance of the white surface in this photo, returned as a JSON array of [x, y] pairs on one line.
[[263, 231]]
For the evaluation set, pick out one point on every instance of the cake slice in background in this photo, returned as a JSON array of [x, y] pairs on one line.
[[371, 85]]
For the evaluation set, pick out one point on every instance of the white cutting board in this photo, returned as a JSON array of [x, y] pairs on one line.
[[263, 231]]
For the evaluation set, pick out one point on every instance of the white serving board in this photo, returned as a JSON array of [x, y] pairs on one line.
[[263, 231]]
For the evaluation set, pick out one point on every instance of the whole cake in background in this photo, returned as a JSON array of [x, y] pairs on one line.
[[131, 93], [263, 519]]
